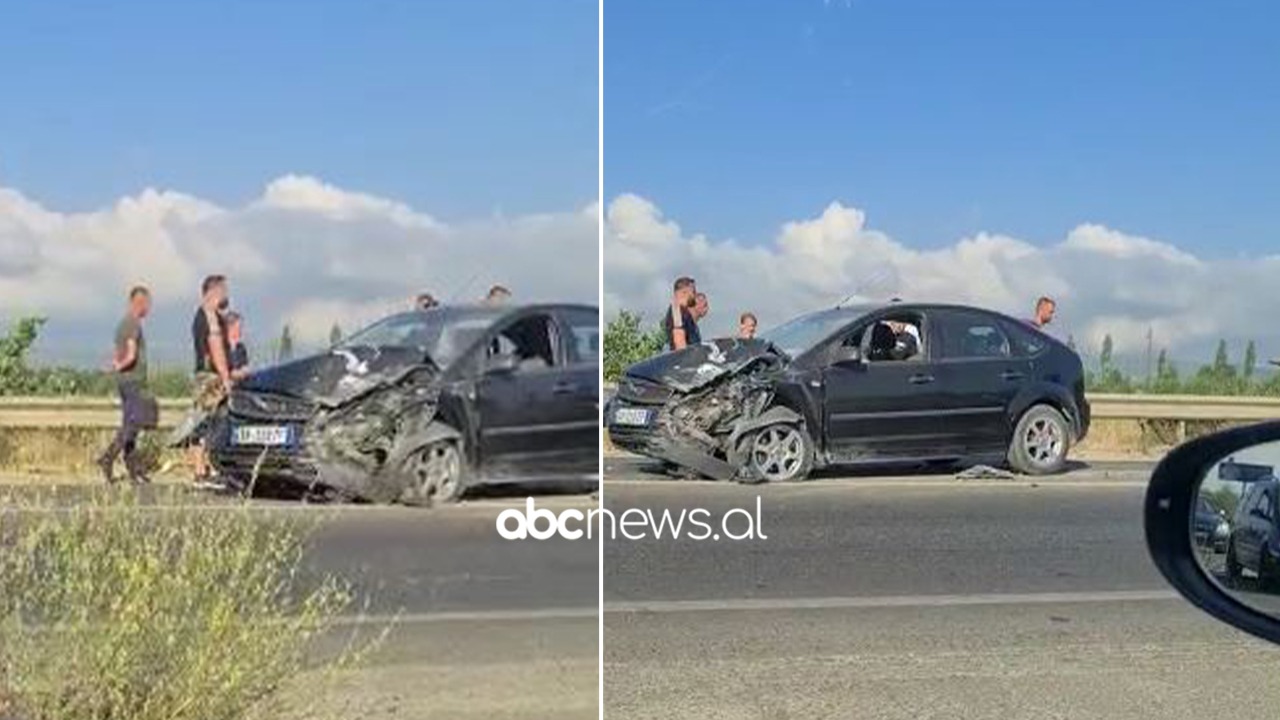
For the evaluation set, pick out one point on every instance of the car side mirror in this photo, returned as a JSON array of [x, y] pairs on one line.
[[1222, 577], [501, 364]]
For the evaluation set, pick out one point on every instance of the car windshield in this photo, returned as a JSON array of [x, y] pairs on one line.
[[442, 336], [798, 335]]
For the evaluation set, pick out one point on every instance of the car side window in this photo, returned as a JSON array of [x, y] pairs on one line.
[[584, 335], [531, 340], [973, 336], [1025, 342], [895, 338]]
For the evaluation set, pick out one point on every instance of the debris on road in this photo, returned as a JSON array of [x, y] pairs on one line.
[[985, 472]]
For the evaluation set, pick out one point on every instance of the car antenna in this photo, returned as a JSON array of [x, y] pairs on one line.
[[463, 287], [865, 283]]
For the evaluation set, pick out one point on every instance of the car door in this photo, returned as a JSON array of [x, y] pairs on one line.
[[520, 402], [876, 407], [1257, 523], [983, 374], [580, 388]]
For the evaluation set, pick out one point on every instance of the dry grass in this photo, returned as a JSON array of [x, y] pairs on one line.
[[111, 611], [70, 450]]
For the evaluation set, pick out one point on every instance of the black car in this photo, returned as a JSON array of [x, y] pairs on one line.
[[1254, 543], [1210, 526], [854, 384], [423, 404]]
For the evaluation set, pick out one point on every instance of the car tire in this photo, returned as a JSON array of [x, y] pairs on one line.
[[781, 452], [1233, 569], [435, 474], [1040, 443]]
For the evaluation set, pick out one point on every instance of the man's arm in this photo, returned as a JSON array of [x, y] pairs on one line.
[[679, 339], [217, 353], [129, 357]]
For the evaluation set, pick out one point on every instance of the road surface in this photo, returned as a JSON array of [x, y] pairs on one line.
[[908, 596]]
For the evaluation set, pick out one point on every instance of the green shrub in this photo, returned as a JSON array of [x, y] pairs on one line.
[[111, 611], [626, 343]]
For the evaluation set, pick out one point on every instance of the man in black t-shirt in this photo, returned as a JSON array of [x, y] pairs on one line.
[[679, 324], [212, 380]]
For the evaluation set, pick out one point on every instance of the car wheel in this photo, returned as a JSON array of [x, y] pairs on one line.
[[1040, 442], [1266, 574], [1232, 566], [436, 475], [781, 452]]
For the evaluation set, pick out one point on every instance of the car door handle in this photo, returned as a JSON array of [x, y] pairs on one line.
[[920, 379], [1012, 375], [564, 388]]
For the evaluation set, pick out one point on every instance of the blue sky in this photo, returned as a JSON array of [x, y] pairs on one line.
[[457, 107], [943, 118]]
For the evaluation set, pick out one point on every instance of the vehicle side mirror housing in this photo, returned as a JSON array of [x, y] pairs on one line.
[[501, 364], [1222, 578]]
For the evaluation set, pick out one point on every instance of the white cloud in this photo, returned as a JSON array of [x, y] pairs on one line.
[[1107, 281], [305, 251]]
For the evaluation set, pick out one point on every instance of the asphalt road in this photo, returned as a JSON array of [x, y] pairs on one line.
[[909, 596], [477, 626]]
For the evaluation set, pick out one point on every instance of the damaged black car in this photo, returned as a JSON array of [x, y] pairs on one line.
[[422, 405], [877, 384]]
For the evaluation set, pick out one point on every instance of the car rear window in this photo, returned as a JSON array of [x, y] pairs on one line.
[[584, 335], [971, 335], [1026, 342]]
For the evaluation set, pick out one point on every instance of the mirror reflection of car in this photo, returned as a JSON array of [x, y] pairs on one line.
[[836, 387], [1231, 469], [1254, 542], [421, 405], [1212, 530]]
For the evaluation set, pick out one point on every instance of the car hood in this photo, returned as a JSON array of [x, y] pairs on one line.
[[697, 365], [336, 376]]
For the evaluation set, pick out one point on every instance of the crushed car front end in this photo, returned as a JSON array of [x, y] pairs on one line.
[[336, 424], [691, 407]]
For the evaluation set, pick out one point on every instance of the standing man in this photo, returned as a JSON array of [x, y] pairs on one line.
[[1045, 308], [747, 326], [425, 301], [129, 363], [701, 306], [679, 324], [498, 295], [212, 380], [239, 355]]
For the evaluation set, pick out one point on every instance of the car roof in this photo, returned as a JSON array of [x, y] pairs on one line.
[[491, 312], [853, 312]]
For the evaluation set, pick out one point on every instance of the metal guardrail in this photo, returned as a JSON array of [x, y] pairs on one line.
[[89, 413], [1184, 407], [104, 412]]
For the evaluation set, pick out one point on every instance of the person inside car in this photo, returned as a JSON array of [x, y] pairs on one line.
[[906, 340]]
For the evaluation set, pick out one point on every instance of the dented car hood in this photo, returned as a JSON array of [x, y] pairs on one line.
[[337, 376], [697, 365]]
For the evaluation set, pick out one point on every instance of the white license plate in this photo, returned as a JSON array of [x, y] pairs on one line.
[[273, 435], [631, 416]]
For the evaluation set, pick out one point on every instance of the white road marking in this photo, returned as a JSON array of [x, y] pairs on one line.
[[887, 601], [906, 481], [477, 616]]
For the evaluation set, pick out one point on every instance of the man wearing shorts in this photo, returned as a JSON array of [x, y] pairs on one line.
[[212, 380]]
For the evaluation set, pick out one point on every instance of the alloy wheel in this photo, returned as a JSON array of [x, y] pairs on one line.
[[1044, 442], [439, 472], [777, 453]]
